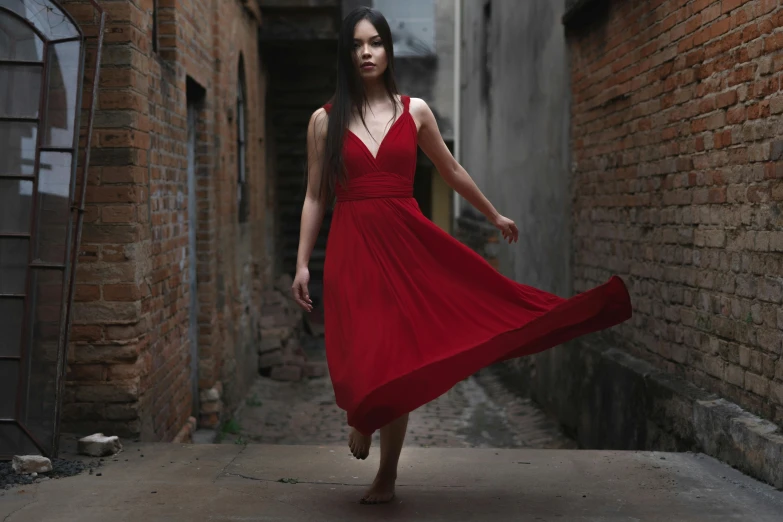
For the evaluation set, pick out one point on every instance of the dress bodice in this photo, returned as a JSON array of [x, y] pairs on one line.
[[388, 174]]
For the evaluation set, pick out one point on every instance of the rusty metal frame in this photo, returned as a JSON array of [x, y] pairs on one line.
[[73, 230]]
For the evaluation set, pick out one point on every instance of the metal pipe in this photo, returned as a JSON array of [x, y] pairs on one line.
[[457, 101], [80, 209]]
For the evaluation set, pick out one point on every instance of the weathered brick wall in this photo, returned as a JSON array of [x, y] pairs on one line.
[[110, 345], [239, 248], [166, 393], [474, 231], [678, 182], [129, 361]]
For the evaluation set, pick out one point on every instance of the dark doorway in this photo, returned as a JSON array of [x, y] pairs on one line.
[[195, 96]]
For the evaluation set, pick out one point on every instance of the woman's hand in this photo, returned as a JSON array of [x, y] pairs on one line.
[[299, 289], [507, 228]]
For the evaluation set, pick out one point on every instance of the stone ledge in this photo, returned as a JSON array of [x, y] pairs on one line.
[[712, 424], [607, 399]]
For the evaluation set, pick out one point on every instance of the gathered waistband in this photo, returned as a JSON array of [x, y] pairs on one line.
[[375, 185]]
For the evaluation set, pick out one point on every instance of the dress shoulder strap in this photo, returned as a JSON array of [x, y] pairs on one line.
[[327, 107]]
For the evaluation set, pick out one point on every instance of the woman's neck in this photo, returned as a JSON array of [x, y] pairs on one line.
[[375, 92]]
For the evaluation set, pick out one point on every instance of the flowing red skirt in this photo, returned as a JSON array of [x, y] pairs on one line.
[[409, 311]]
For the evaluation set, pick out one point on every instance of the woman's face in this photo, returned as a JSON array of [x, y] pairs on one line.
[[369, 55]]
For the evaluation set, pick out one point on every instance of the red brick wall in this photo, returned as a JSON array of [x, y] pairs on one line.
[[109, 340], [129, 362], [239, 248], [166, 393], [678, 182]]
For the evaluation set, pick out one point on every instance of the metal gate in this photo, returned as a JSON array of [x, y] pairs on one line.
[[42, 64]]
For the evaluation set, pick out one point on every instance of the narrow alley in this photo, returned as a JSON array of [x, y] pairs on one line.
[[580, 202]]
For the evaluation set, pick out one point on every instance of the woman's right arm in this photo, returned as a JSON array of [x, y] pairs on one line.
[[313, 209]]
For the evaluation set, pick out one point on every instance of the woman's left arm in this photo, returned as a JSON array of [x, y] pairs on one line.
[[432, 144]]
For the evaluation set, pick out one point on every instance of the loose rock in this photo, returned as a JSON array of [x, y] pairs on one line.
[[31, 464], [99, 445], [212, 394]]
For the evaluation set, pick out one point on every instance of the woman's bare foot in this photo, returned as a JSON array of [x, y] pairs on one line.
[[359, 444], [382, 489]]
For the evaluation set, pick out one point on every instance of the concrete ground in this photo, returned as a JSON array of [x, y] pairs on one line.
[[235, 482], [476, 453]]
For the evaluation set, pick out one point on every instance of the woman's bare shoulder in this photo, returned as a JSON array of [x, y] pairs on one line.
[[420, 110], [320, 114], [319, 120]]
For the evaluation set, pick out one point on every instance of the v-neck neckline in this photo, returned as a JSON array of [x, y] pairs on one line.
[[383, 140]]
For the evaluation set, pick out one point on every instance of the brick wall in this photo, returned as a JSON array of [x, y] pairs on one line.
[[678, 182], [239, 249], [166, 395], [475, 232], [129, 360]]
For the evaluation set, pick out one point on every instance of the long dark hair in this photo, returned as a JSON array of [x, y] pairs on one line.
[[350, 95]]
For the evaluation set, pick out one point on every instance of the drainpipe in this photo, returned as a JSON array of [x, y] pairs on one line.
[[457, 100]]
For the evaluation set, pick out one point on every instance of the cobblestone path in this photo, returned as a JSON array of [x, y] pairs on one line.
[[477, 412]]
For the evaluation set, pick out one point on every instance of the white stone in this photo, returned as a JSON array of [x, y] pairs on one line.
[[99, 445], [31, 464], [212, 394]]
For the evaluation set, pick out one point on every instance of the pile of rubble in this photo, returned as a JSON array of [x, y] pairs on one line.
[[280, 354], [29, 469]]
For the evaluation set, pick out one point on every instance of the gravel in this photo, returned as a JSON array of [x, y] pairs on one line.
[[60, 468]]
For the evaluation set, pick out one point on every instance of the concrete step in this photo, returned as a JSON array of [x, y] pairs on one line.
[[174, 482]]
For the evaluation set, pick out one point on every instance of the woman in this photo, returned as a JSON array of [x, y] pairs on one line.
[[409, 311]]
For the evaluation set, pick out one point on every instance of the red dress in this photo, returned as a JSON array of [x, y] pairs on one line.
[[409, 311]]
